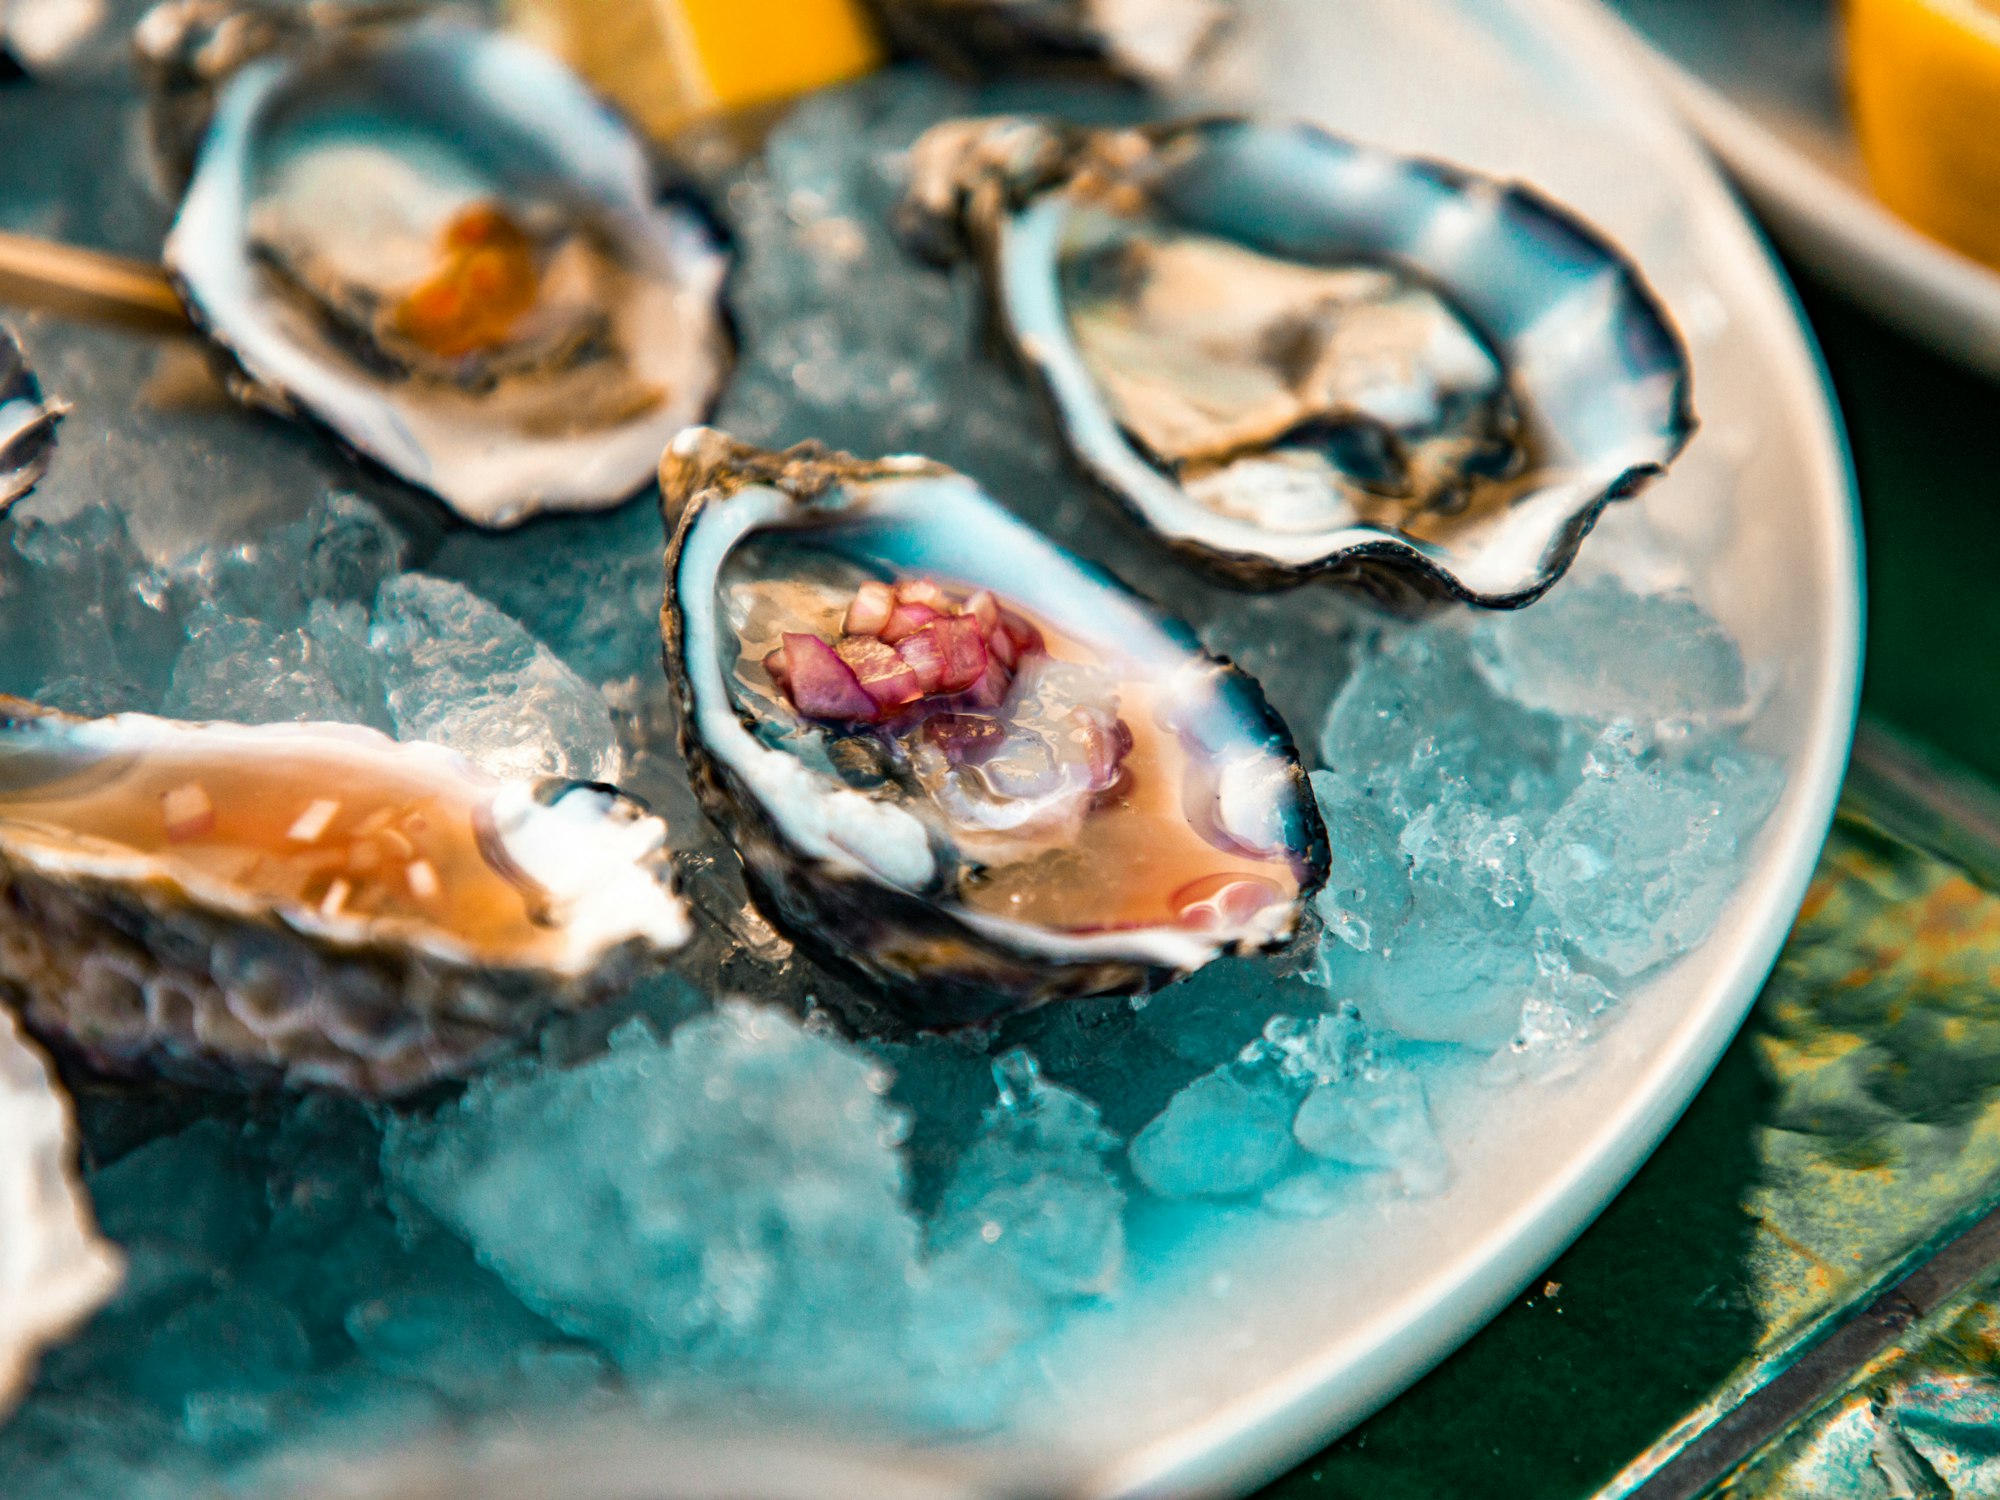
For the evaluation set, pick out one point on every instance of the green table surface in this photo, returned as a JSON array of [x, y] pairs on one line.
[[1722, 1327]]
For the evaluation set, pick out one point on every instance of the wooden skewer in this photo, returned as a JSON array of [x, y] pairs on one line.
[[80, 283]]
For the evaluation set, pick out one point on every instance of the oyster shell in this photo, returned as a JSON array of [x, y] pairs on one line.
[[1290, 355], [494, 302], [952, 755], [306, 903], [54, 1269], [1153, 41], [27, 425]]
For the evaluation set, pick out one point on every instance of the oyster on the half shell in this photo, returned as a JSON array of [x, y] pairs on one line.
[[495, 301], [954, 756], [54, 1269], [307, 903], [1290, 355]]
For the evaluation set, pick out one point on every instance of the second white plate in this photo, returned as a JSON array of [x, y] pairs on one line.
[[1762, 81]]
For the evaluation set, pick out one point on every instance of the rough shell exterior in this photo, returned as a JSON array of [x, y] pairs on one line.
[[54, 1270], [136, 970], [138, 983]]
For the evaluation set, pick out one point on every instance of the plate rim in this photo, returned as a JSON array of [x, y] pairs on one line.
[[1936, 295], [1266, 1432]]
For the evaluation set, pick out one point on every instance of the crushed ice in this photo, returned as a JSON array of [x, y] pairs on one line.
[[686, 1199]]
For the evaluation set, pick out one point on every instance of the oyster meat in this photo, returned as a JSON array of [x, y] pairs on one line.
[[952, 755], [1152, 41], [54, 1269], [495, 303], [27, 425], [1289, 355], [307, 903]]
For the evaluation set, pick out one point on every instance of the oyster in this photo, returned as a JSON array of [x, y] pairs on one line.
[[952, 755], [27, 425], [1153, 41], [54, 1270], [492, 301], [1290, 355], [306, 903]]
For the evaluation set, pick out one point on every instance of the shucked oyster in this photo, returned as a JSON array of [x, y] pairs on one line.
[[27, 425], [488, 298], [1154, 41], [952, 755], [53, 1267], [1292, 355], [306, 903]]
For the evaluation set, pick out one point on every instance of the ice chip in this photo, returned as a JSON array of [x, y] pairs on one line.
[[1315, 1049], [1367, 891], [243, 670], [1376, 1119], [1594, 649], [730, 1197], [1457, 844], [340, 549], [1033, 1191], [80, 604], [462, 673], [1417, 720], [590, 592], [1217, 1138], [1637, 864], [350, 549]]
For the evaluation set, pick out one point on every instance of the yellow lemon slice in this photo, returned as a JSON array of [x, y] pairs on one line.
[[1925, 81], [665, 62]]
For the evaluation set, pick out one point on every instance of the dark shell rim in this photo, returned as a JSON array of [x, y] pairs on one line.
[[974, 223]]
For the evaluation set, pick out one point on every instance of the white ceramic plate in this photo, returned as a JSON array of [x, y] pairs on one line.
[[1761, 80], [1267, 1337]]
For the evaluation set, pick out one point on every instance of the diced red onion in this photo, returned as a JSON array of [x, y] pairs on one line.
[[925, 657], [984, 608], [1026, 638], [903, 643], [991, 689], [906, 620], [1105, 740], [964, 648], [873, 603], [884, 675], [821, 685]]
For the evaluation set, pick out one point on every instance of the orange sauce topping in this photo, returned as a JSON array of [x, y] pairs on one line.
[[487, 281]]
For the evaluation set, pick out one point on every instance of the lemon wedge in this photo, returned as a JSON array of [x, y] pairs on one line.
[[1924, 76], [666, 62]]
